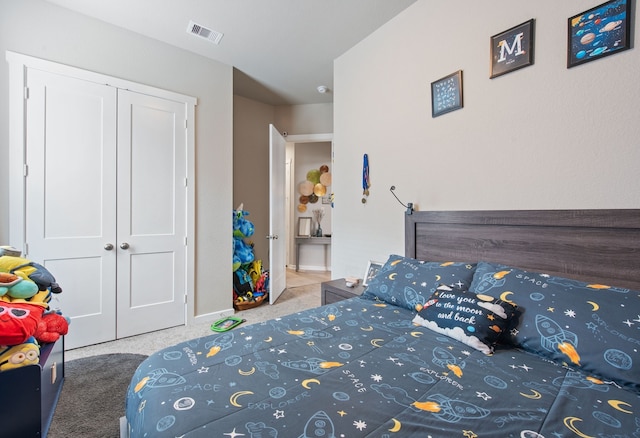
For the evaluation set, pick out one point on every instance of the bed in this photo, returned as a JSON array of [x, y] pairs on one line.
[[493, 323]]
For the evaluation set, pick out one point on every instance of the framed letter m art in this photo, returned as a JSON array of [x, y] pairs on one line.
[[512, 49]]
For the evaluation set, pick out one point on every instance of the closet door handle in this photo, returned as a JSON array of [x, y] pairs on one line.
[[124, 245], [108, 246]]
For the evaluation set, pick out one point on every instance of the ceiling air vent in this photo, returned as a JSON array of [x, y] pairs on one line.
[[203, 32]]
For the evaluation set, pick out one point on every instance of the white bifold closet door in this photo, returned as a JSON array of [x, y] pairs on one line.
[[106, 204]]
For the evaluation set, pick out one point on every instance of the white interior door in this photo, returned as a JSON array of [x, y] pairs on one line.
[[70, 185], [277, 199], [151, 246]]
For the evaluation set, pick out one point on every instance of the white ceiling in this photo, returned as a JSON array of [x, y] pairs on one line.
[[282, 50]]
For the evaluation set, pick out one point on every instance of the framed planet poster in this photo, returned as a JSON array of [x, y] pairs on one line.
[[599, 32], [446, 94]]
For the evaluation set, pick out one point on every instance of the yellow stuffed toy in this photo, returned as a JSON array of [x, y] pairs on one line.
[[16, 356], [255, 271]]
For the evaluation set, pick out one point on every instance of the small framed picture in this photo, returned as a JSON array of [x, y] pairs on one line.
[[512, 49], [304, 227], [599, 32], [446, 94], [372, 270]]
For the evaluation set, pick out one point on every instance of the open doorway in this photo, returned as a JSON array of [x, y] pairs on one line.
[[308, 154]]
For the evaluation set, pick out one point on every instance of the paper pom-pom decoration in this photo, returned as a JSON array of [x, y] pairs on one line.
[[314, 176], [305, 188], [325, 179]]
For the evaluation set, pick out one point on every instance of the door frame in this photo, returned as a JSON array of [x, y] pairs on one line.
[[18, 66], [289, 214]]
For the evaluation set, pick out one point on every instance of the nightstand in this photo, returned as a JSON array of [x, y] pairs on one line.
[[337, 290]]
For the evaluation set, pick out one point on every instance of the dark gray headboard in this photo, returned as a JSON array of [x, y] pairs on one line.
[[600, 246]]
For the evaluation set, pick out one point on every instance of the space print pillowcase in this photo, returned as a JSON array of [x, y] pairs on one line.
[[588, 326], [407, 282]]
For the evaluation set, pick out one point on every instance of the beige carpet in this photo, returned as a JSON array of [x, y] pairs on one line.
[[303, 292]]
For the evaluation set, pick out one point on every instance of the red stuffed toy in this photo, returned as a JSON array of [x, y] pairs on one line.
[[50, 327], [18, 321]]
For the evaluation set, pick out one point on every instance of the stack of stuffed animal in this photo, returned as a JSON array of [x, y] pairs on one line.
[[26, 322], [249, 281]]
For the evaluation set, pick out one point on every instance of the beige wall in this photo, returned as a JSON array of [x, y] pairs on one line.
[[251, 121], [305, 119], [544, 137], [40, 29]]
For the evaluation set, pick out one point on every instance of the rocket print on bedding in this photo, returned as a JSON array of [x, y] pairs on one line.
[[588, 326], [362, 368]]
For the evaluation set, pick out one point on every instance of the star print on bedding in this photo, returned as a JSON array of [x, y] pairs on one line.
[[407, 282], [361, 369], [588, 326], [476, 320]]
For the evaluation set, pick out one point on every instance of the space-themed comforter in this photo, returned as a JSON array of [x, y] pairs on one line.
[[409, 358], [363, 369]]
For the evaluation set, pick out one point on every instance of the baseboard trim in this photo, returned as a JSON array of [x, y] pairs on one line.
[[311, 268], [213, 316]]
